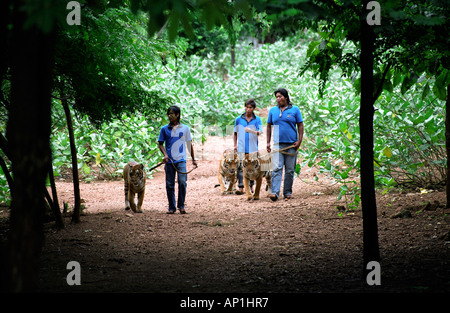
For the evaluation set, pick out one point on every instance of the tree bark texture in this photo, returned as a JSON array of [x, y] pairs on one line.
[[368, 200], [28, 135]]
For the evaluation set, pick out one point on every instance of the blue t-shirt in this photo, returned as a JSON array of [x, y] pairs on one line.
[[285, 123], [175, 138], [247, 142]]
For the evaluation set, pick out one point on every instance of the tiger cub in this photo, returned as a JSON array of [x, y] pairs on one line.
[[228, 171], [134, 177], [256, 168]]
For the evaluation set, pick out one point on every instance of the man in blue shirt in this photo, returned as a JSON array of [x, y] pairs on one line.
[[247, 128], [174, 139], [287, 123]]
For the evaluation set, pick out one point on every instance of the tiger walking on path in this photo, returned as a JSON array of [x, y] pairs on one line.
[[134, 178]]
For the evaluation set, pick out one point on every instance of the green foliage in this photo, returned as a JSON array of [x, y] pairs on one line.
[[408, 131], [4, 189], [106, 66], [204, 41], [108, 146]]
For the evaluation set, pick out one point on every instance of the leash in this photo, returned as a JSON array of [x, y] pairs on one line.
[[183, 172], [282, 151], [161, 163], [157, 165]]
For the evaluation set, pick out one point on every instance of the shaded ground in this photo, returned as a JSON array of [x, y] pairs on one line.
[[227, 244]]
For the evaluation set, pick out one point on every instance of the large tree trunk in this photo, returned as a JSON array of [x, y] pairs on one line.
[[28, 135], [368, 200], [73, 150]]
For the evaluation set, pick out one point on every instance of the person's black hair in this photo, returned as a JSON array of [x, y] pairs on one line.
[[176, 110], [285, 94], [251, 102]]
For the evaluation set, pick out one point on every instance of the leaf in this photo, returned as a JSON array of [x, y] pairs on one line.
[[86, 169], [426, 90], [406, 84], [440, 88], [98, 159], [349, 135], [298, 169], [387, 152]]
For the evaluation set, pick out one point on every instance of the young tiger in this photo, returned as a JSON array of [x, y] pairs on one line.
[[134, 177], [256, 168], [228, 171]]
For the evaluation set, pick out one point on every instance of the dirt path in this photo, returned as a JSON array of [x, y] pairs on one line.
[[228, 244]]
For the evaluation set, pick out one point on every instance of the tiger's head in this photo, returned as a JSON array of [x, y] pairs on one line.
[[251, 164], [229, 163], [137, 174]]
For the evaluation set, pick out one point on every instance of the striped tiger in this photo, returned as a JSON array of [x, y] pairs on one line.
[[227, 173], [256, 168], [134, 177]]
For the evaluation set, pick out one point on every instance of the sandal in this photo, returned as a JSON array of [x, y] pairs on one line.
[[239, 192], [288, 197], [182, 211], [273, 197]]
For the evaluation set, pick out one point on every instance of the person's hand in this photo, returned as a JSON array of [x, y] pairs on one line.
[[268, 148], [166, 159], [297, 144], [194, 162], [252, 131]]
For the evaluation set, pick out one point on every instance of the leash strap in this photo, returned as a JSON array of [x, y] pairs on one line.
[[282, 151], [161, 163], [183, 172]]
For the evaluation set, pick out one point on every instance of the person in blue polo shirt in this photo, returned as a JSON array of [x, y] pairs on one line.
[[286, 121], [174, 139], [247, 128]]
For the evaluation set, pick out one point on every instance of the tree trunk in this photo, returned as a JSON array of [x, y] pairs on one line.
[[55, 203], [233, 55], [73, 150], [447, 142], [28, 135], [368, 200]]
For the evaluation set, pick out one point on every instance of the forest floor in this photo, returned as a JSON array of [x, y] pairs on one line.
[[226, 244]]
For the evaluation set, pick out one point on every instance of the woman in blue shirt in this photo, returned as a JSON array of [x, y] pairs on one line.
[[286, 121]]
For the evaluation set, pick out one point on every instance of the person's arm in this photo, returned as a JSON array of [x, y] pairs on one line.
[[163, 150], [300, 135], [255, 132], [194, 161], [235, 141], [269, 135]]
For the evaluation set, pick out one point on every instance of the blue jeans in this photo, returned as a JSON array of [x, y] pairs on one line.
[[170, 185], [287, 162]]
